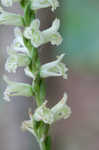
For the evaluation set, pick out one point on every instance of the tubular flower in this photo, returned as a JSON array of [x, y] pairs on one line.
[[49, 116], [10, 18], [54, 68], [8, 3], [17, 89], [16, 60], [38, 37], [18, 43], [61, 110], [43, 114], [37, 4]]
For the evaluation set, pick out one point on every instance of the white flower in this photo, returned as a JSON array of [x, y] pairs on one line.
[[28, 124], [10, 18], [16, 60], [37, 4], [49, 116], [17, 89], [38, 37], [44, 114], [54, 68], [61, 110], [8, 3], [18, 43]]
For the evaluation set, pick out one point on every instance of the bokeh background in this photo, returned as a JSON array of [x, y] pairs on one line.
[[80, 30]]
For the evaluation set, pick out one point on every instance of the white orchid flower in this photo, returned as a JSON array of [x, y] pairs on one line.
[[17, 89], [43, 113], [10, 18], [16, 60], [61, 110], [38, 37], [54, 68], [28, 124], [49, 116], [18, 43]]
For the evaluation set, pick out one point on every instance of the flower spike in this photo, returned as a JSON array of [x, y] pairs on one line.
[[38, 37], [17, 89], [10, 18]]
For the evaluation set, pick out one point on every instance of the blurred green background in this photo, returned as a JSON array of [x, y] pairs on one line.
[[80, 31]]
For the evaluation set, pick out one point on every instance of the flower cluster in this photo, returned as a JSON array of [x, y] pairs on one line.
[[23, 53], [48, 116], [18, 53]]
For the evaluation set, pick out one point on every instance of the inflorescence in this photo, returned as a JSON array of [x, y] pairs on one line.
[[23, 52]]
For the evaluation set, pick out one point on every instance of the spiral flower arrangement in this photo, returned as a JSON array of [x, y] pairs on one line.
[[23, 52]]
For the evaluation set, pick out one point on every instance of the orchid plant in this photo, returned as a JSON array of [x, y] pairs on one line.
[[23, 52]]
